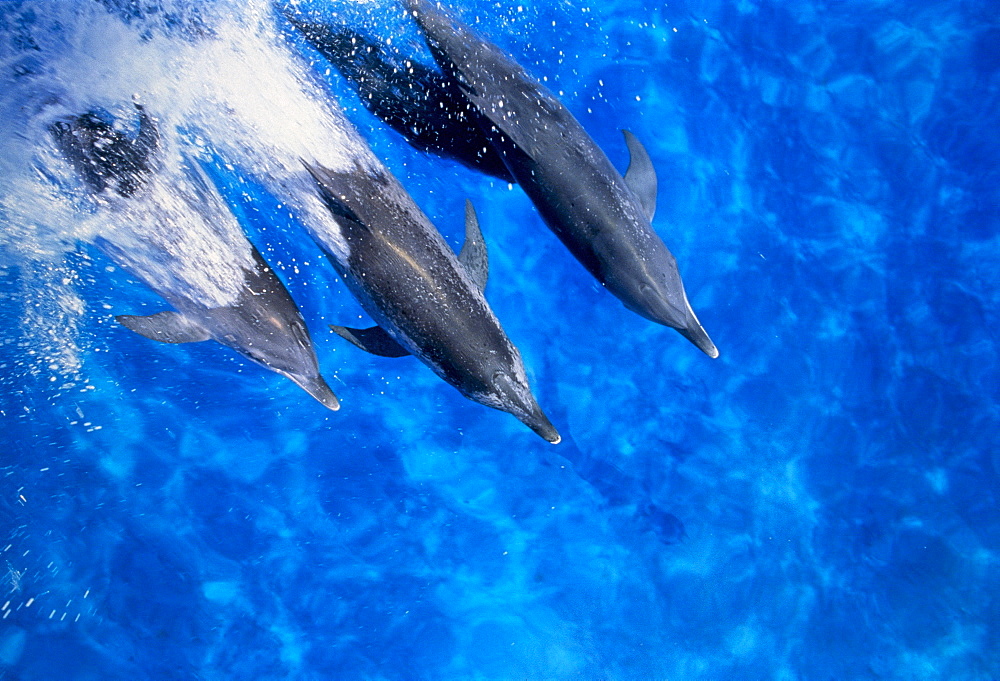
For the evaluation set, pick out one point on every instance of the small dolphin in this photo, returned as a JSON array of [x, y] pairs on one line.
[[222, 288], [425, 301], [419, 102], [104, 157], [603, 218], [262, 324]]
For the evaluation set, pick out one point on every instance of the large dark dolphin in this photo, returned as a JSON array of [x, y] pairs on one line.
[[602, 217], [221, 286], [420, 102], [424, 300]]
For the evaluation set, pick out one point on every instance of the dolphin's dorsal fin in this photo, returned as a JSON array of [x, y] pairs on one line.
[[148, 139], [374, 340], [166, 327], [641, 176], [473, 257]]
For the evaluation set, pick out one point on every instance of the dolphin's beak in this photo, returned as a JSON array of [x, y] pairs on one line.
[[317, 387], [697, 335], [521, 403], [539, 422], [686, 323], [673, 311]]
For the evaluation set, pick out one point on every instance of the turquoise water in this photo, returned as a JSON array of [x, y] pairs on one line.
[[821, 502]]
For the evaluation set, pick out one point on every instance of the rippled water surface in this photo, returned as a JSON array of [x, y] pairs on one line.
[[821, 502]]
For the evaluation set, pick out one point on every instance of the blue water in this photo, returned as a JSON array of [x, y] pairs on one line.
[[821, 502]]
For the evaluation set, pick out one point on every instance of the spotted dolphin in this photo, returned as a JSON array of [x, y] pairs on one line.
[[425, 301], [421, 103], [185, 244], [603, 218]]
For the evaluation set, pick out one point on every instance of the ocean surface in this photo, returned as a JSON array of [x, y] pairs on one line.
[[820, 502]]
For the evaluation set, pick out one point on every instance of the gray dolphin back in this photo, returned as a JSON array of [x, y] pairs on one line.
[[263, 324], [423, 299]]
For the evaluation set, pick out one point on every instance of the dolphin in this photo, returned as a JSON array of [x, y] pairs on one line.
[[186, 245], [421, 103], [425, 301], [603, 218], [104, 157]]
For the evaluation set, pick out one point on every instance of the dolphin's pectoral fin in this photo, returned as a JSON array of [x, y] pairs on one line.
[[166, 327], [641, 176], [374, 340], [473, 257]]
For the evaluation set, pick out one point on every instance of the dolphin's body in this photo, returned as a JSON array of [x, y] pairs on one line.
[[104, 157], [185, 244], [425, 301], [419, 102], [603, 218]]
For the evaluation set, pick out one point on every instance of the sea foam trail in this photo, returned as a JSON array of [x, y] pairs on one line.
[[235, 89], [219, 81]]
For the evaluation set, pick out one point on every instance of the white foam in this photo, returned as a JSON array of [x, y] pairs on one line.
[[230, 85], [186, 246]]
